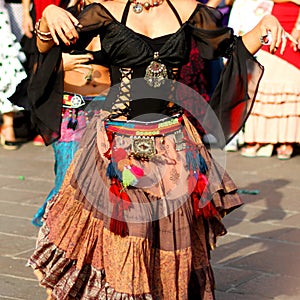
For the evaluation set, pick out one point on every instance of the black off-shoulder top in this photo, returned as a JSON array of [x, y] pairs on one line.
[[125, 49]]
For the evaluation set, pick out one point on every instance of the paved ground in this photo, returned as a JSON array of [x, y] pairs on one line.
[[258, 259]]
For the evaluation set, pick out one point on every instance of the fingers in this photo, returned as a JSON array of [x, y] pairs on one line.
[[61, 24]]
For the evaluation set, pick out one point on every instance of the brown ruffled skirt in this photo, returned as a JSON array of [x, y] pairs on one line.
[[169, 220]]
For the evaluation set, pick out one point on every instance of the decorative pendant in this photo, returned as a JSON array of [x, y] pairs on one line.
[[89, 76], [143, 147], [138, 8], [156, 73]]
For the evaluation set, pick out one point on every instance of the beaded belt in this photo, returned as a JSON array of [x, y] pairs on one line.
[[143, 134], [71, 100]]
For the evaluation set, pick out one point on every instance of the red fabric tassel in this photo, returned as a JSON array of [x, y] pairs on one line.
[[121, 202], [117, 224], [138, 172], [126, 200], [208, 210], [119, 154], [110, 138], [202, 182], [192, 184]]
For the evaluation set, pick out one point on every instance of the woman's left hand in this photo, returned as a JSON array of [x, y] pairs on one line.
[[267, 32], [271, 26]]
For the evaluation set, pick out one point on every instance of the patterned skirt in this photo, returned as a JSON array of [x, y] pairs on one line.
[[139, 210], [73, 125]]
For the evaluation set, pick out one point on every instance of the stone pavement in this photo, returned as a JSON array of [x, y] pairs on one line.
[[258, 259]]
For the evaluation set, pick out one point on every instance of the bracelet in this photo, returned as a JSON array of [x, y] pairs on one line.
[[41, 33], [44, 38]]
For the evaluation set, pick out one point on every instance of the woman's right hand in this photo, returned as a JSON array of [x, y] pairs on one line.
[[60, 23], [27, 25], [73, 62]]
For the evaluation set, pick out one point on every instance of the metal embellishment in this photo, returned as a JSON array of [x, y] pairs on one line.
[[138, 8], [76, 101], [156, 72], [179, 140], [143, 147]]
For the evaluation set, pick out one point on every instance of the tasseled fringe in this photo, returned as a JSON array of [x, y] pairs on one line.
[[208, 211], [201, 206], [121, 202], [195, 161], [112, 171], [73, 122], [110, 137], [128, 178], [202, 164]]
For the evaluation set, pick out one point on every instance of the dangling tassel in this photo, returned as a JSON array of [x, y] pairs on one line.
[[138, 172], [192, 182], [72, 123], [125, 200], [119, 154], [202, 164], [121, 202], [202, 182], [190, 160], [208, 211], [117, 224], [128, 178], [197, 194], [112, 171], [110, 138]]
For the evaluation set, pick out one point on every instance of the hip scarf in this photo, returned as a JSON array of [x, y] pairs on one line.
[[159, 157]]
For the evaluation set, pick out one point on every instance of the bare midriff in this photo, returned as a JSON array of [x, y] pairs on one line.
[[75, 81]]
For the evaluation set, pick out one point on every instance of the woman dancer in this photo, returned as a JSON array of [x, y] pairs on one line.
[[85, 78], [141, 205], [275, 118], [12, 72]]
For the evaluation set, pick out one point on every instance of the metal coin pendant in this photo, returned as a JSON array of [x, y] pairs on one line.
[[138, 8], [156, 74]]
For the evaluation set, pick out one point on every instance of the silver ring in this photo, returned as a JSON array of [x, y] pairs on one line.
[[284, 35]]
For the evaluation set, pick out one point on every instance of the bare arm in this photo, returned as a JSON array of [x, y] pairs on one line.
[[60, 23], [27, 23]]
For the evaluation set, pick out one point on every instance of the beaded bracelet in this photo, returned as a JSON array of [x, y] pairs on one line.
[[41, 33], [43, 38]]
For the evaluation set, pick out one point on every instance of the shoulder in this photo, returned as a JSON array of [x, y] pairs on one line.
[[186, 8], [115, 7]]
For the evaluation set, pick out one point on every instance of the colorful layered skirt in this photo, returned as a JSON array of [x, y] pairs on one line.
[[137, 215]]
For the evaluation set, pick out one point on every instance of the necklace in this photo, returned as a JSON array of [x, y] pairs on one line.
[[139, 6]]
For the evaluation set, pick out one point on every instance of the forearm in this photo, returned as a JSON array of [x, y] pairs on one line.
[[56, 26], [26, 7], [267, 25], [251, 40], [43, 45]]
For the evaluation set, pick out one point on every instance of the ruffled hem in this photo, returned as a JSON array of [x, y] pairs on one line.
[[166, 257]]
